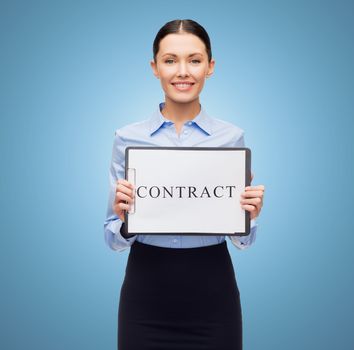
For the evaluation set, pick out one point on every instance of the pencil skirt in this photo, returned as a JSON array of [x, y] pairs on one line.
[[179, 298]]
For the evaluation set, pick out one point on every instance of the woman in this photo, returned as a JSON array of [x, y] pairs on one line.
[[179, 292]]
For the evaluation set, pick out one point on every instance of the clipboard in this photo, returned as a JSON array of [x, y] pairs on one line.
[[188, 190]]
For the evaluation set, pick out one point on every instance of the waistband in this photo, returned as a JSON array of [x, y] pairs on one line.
[[143, 249]]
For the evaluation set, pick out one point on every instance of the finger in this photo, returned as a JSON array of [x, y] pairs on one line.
[[252, 201], [258, 204], [126, 183], [123, 197], [252, 194], [123, 188], [250, 208], [252, 188], [123, 206]]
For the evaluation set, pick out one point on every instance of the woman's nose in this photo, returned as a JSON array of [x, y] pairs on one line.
[[182, 69]]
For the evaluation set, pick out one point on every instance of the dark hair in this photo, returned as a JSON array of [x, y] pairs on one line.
[[182, 26]]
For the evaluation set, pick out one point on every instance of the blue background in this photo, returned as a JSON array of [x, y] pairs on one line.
[[74, 71]]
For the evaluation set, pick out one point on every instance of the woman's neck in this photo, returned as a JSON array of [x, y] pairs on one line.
[[180, 112]]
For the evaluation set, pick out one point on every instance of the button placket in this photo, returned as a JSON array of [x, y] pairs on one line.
[[172, 135]]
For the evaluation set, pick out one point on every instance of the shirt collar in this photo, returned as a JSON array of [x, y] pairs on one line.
[[202, 120]]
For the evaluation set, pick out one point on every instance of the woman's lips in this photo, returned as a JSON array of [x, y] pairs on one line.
[[183, 86]]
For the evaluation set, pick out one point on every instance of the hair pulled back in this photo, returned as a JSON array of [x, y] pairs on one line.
[[179, 26]]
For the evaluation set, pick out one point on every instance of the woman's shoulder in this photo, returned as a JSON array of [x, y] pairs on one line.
[[133, 129], [222, 125]]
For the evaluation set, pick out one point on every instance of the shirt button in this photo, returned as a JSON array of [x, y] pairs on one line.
[[185, 132], [189, 123], [175, 240]]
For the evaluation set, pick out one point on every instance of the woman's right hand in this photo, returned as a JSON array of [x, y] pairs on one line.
[[124, 193]]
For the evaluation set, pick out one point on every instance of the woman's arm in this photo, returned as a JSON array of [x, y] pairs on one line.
[[114, 228], [251, 200]]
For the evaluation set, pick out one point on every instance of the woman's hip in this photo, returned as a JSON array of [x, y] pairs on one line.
[[181, 279]]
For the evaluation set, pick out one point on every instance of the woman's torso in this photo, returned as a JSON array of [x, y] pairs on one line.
[[202, 131]]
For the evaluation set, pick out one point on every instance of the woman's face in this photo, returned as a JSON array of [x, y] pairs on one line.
[[182, 58]]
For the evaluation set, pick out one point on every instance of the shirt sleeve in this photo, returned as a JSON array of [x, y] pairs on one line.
[[243, 242], [113, 226]]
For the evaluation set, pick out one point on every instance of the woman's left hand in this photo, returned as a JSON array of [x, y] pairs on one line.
[[252, 199]]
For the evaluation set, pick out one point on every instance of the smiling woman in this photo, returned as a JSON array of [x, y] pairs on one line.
[[179, 292], [182, 61]]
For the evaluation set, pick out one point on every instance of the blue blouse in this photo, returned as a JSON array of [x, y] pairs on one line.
[[202, 131]]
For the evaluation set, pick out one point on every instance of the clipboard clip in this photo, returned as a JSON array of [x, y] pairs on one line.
[[131, 177]]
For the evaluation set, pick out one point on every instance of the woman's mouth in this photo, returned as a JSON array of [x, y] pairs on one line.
[[183, 86]]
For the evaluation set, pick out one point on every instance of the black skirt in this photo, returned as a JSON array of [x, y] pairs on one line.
[[179, 298]]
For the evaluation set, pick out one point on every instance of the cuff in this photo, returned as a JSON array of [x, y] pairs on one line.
[[243, 242], [114, 237]]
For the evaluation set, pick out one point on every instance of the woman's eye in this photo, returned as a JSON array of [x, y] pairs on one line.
[[171, 61]]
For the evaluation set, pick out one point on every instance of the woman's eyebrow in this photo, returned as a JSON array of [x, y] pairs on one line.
[[174, 55]]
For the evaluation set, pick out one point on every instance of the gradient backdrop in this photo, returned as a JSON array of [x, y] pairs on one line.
[[74, 71]]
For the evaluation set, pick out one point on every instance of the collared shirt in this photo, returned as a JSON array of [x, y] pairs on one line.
[[202, 131]]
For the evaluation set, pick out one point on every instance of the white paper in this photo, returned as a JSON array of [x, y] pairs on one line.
[[190, 168]]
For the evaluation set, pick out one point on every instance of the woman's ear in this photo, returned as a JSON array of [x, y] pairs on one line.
[[210, 68], [154, 69]]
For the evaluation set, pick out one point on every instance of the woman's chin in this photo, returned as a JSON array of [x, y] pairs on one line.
[[182, 99]]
